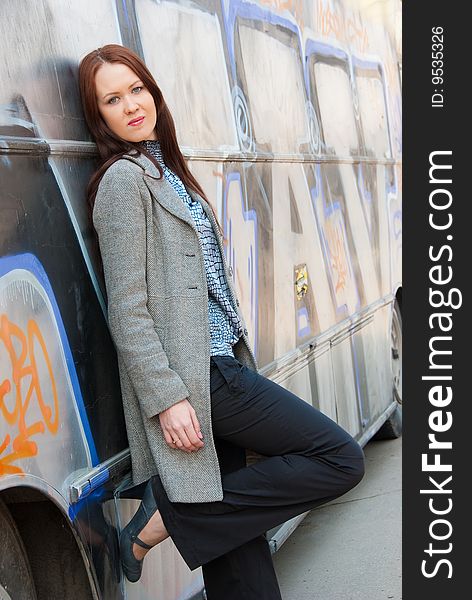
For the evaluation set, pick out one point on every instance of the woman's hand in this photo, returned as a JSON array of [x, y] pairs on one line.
[[180, 426]]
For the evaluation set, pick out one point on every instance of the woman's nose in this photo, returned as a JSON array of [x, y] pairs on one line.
[[130, 104]]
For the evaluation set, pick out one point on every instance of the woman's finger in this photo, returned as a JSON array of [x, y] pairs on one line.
[[177, 423], [171, 440], [168, 437], [179, 438], [196, 424], [184, 438], [193, 437], [179, 444]]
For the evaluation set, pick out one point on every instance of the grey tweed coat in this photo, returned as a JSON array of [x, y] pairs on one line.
[[158, 318]]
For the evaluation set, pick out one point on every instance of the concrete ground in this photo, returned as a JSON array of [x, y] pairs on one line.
[[350, 549]]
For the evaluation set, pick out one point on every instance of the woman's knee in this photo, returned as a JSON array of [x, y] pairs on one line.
[[354, 462]]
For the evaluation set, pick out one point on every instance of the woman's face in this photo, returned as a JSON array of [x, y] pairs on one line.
[[126, 106]]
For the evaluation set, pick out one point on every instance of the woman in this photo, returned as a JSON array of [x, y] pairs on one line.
[[192, 396]]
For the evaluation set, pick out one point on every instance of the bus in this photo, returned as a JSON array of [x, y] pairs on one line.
[[289, 115]]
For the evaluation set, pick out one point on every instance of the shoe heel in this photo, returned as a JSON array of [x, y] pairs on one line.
[[132, 567]]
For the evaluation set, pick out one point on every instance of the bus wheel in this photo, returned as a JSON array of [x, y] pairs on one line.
[[16, 580], [392, 428]]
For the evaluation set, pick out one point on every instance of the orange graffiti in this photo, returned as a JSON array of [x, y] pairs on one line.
[[24, 371], [293, 6], [338, 255], [343, 28], [327, 22]]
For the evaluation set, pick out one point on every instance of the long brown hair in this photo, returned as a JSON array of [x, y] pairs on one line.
[[110, 146]]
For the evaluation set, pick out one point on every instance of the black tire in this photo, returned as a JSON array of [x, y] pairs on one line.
[[56, 562], [16, 580], [392, 428]]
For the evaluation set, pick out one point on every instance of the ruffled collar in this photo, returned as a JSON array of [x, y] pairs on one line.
[[154, 148]]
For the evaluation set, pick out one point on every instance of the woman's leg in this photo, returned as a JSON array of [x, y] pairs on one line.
[[246, 572], [310, 461]]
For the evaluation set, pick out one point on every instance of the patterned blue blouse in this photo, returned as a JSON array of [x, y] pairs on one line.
[[225, 324]]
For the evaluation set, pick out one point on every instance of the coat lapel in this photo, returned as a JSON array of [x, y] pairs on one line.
[[165, 194], [161, 190]]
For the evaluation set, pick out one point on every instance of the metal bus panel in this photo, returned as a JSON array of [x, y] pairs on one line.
[[204, 114], [41, 42]]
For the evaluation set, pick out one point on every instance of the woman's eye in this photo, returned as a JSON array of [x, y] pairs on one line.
[[135, 90]]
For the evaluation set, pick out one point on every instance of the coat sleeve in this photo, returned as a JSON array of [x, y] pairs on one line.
[[119, 219]]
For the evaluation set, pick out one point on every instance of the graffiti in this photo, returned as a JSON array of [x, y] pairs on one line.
[[343, 28], [255, 132], [24, 385], [326, 20], [337, 253], [243, 258], [337, 256], [293, 6]]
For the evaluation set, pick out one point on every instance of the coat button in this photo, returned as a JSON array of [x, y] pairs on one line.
[[237, 302], [245, 332], [230, 270]]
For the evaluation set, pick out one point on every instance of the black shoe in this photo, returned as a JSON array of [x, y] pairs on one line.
[[132, 567]]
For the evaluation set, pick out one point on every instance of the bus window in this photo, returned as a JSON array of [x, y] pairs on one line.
[[336, 108], [275, 86], [193, 75], [373, 115]]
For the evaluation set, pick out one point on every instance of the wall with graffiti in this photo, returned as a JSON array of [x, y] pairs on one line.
[[289, 113]]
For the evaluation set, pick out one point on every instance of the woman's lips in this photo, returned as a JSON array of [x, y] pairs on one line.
[[136, 122]]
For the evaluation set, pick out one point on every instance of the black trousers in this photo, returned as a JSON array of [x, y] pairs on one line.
[[310, 460]]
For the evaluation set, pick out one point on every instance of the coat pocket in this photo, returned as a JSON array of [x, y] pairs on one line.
[[156, 306], [161, 332]]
